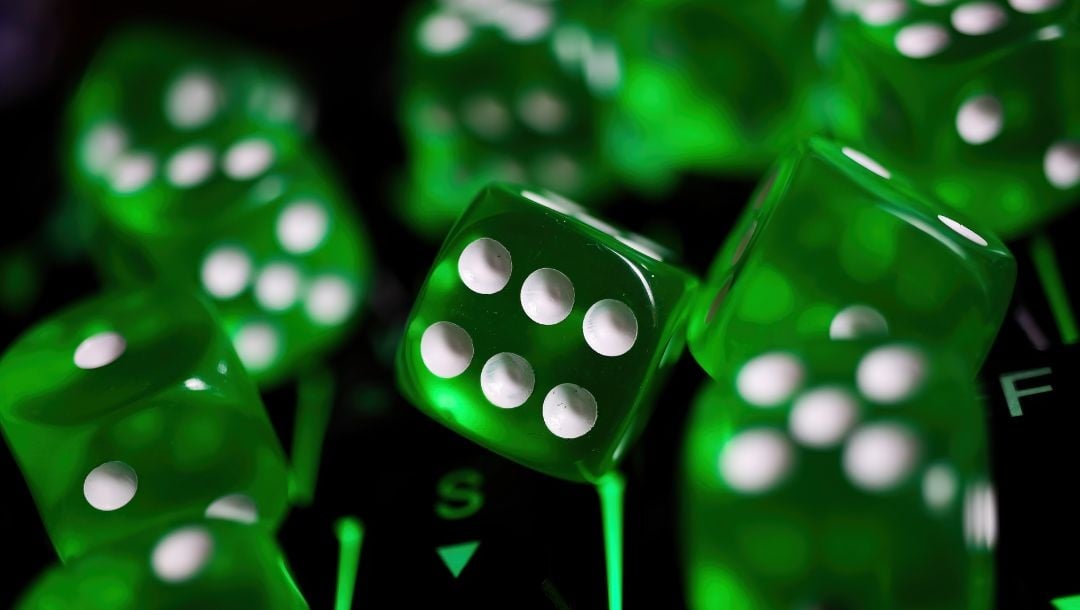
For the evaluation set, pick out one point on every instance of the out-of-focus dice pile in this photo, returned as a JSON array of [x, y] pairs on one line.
[[836, 456]]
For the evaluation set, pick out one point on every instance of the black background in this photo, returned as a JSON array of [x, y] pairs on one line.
[[540, 538]]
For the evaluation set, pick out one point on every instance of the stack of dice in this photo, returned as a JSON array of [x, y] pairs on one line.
[[232, 257]]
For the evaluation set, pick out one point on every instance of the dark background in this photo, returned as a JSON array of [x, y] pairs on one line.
[[540, 538]]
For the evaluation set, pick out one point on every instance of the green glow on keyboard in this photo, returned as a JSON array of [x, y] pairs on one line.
[[314, 401], [1067, 603], [612, 488], [350, 533], [1042, 254]]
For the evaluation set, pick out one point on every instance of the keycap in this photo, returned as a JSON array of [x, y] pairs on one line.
[[541, 332], [973, 100], [835, 245], [210, 564], [130, 410], [839, 475]]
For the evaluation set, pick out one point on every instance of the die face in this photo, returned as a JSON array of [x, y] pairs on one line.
[[671, 52], [886, 261], [489, 94], [287, 267], [541, 337], [849, 467], [165, 129], [209, 564], [992, 132], [948, 31], [136, 455]]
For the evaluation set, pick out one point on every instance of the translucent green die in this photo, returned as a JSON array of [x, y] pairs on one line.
[[839, 475], [541, 332], [713, 85], [503, 91], [287, 268], [166, 129], [130, 411], [211, 565], [977, 101], [835, 245]]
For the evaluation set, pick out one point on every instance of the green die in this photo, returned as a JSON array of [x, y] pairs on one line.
[[976, 101], [500, 92], [287, 269], [131, 410], [166, 129], [213, 564], [713, 85], [834, 245], [839, 475], [541, 332]]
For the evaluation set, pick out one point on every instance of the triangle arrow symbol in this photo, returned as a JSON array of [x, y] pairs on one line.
[[457, 556]]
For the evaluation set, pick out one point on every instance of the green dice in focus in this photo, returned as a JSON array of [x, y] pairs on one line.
[[211, 565], [839, 475], [500, 91], [976, 101], [131, 410], [836, 245], [219, 191], [542, 332]]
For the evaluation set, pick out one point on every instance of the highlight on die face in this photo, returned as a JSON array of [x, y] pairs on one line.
[[509, 303]]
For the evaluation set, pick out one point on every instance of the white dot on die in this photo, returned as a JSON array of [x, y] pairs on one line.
[[569, 411], [980, 516], [878, 457], [278, 286], [102, 145], [866, 162], [821, 417], [192, 100], [610, 327], [302, 226], [507, 380], [485, 266], [131, 172], [248, 158], [978, 18], [922, 40], [257, 344], [547, 296], [99, 350], [446, 349], [856, 321], [891, 374], [110, 486], [755, 461], [1062, 164], [182, 554], [226, 272], [233, 507], [962, 230], [486, 116], [1033, 6], [190, 166], [523, 22], [769, 379], [543, 111], [330, 299], [882, 12], [980, 119], [443, 33], [939, 486]]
